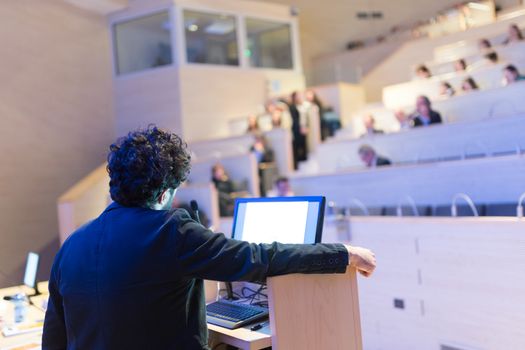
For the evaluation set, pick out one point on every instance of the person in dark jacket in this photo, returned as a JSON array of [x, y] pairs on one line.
[[299, 130], [225, 187], [133, 277], [425, 115], [370, 158]]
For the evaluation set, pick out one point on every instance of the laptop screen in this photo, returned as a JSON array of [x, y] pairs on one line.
[[279, 219]]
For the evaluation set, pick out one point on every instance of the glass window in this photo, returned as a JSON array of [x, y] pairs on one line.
[[269, 44], [211, 38], [143, 43]]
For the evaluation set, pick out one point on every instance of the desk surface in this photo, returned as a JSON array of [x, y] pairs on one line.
[[33, 314], [243, 338]]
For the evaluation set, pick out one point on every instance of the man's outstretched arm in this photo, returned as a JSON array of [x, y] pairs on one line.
[[204, 254]]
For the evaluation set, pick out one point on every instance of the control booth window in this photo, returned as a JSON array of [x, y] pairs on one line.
[[142, 43], [211, 38], [269, 44]]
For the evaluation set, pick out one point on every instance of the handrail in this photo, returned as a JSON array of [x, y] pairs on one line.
[[500, 103], [360, 205], [466, 198], [411, 202], [519, 209], [478, 143], [433, 149]]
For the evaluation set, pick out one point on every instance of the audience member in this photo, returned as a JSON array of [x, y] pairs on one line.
[[511, 75], [253, 125], [299, 129], [404, 121], [469, 85], [225, 188], [491, 57], [277, 120], [484, 45], [424, 114], [446, 90], [370, 158], [281, 188], [423, 72], [369, 122], [312, 97], [460, 65], [262, 151], [514, 35]]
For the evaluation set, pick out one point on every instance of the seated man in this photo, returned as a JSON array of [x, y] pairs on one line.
[[511, 75], [133, 277], [370, 158], [370, 125], [405, 121], [424, 114], [263, 152], [282, 188], [225, 188]]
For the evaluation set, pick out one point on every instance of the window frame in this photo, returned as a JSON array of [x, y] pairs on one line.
[[113, 36]]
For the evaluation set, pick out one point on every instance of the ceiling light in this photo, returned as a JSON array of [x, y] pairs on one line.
[[193, 27]]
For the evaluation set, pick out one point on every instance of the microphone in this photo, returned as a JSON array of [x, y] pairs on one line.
[[195, 208], [229, 286]]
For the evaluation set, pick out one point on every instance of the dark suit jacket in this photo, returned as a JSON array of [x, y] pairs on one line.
[[435, 118], [132, 279], [382, 161]]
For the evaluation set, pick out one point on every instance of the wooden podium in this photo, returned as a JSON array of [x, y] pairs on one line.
[[315, 311], [307, 312]]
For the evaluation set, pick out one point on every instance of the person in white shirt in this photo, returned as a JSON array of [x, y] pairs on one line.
[[282, 188]]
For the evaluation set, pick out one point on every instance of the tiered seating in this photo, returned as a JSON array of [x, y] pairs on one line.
[[485, 180], [404, 95], [280, 140], [489, 137], [507, 53]]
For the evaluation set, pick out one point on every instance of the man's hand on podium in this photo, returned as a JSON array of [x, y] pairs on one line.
[[364, 260]]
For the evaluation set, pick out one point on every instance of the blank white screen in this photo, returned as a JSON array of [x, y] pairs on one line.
[[267, 222]]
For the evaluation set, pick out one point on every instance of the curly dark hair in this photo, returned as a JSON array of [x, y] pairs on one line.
[[145, 163]]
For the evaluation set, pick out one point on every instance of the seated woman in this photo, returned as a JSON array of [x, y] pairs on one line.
[[469, 85], [446, 90], [422, 72], [484, 45], [460, 66], [514, 35], [511, 75], [253, 125]]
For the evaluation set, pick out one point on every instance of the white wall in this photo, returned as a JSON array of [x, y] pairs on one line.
[[57, 120], [461, 280]]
